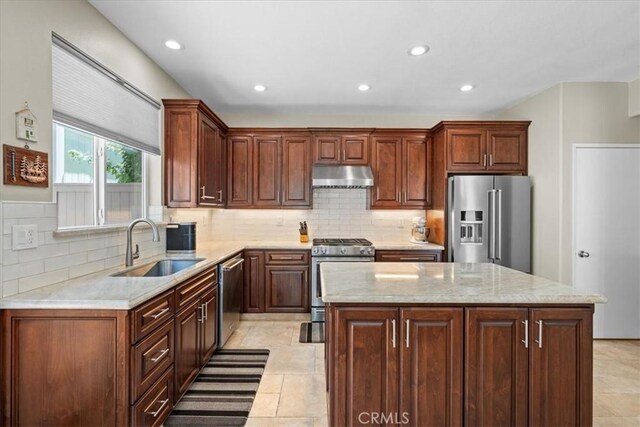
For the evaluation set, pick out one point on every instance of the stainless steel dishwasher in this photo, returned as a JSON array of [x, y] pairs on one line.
[[231, 279]]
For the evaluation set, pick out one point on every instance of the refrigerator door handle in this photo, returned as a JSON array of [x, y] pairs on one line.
[[492, 224], [498, 235]]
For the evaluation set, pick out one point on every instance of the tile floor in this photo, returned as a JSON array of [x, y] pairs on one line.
[[292, 390]]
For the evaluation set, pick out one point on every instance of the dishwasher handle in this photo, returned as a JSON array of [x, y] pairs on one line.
[[230, 265]]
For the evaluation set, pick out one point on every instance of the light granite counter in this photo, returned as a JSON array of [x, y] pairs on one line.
[[442, 283]]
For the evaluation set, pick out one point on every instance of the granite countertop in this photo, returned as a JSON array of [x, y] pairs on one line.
[[102, 291], [448, 283]]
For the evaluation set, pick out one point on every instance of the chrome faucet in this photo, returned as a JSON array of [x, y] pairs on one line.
[[130, 256]]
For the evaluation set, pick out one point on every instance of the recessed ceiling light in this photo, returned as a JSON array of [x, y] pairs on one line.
[[418, 50], [172, 44], [466, 88], [364, 87], [259, 88]]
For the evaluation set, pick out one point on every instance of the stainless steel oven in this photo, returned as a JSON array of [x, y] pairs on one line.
[[334, 250]]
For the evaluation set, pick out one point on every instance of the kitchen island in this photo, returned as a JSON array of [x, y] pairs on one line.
[[455, 344]]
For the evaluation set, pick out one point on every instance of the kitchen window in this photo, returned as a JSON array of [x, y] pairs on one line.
[[96, 181], [104, 129]]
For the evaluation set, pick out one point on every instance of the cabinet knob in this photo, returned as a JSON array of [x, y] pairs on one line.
[[583, 254]]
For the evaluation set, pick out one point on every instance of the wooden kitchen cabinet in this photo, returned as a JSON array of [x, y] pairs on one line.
[[340, 149], [408, 256], [269, 170], [483, 148], [276, 281], [194, 155], [528, 366], [400, 165], [404, 363]]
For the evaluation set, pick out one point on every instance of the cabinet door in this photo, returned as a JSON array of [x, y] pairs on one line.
[[355, 150], [466, 150], [187, 347], [496, 360], [240, 180], [287, 289], [415, 182], [365, 373], [561, 367], [507, 149], [266, 171], [209, 159], [209, 336], [386, 164], [254, 282], [180, 157], [326, 149], [296, 171], [431, 366]]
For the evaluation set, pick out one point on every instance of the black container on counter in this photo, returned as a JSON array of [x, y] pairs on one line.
[[181, 237]]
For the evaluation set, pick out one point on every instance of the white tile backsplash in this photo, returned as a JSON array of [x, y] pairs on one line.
[[61, 257]]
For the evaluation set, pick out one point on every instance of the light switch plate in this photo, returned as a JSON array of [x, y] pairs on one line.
[[24, 237]]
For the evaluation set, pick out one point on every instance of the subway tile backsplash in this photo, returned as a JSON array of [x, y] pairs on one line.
[[335, 213], [61, 257]]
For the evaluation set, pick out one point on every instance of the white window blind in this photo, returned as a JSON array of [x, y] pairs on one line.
[[89, 96]]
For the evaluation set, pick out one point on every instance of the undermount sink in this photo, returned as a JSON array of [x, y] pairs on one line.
[[165, 267]]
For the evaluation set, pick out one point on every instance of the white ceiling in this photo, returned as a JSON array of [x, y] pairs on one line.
[[312, 55]]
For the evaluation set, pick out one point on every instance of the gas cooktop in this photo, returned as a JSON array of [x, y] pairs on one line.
[[341, 242]]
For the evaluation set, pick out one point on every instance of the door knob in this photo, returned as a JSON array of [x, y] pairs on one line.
[[583, 254]]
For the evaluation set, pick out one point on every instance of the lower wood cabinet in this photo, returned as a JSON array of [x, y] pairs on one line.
[[276, 281], [408, 256], [107, 367], [403, 366], [406, 365]]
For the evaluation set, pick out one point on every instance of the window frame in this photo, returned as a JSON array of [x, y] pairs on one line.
[[100, 179]]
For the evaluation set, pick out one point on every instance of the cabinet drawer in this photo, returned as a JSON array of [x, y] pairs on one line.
[[152, 314], [190, 289], [287, 257], [150, 358], [408, 256], [155, 406]]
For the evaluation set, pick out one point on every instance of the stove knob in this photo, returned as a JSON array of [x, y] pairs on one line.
[[314, 251], [363, 251], [370, 251], [343, 251], [324, 251]]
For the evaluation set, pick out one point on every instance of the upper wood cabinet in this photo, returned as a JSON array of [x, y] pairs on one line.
[[269, 170], [194, 159], [340, 149], [401, 164], [486, 148]]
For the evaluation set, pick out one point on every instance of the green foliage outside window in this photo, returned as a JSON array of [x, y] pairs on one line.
[[124, 165]]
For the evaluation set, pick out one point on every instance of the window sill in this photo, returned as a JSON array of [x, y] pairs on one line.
[[79, 231]]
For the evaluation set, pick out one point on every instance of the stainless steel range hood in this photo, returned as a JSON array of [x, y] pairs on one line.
[[342, 177]]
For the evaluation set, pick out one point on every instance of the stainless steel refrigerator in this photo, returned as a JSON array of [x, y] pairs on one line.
[[490, 220]]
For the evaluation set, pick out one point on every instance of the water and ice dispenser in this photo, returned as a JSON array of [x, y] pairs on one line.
[[471, 227]]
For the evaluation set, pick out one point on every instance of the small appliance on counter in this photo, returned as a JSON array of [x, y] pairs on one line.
[[181, 237], [419, 231]]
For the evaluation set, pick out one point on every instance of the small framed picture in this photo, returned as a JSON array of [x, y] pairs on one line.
[[26, 125]]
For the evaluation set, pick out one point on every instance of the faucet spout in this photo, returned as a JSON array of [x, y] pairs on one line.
[[130, 255]]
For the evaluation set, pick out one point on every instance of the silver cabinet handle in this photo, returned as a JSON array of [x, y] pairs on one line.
[[584, 254], [206, 310], [205, 197], [526, 333], [160, 356], [232, 266], [539, 340], [492, 224], [490, 159], [155, 414], [158, 314], [220, 195], [393, 337], [344, 154], [409, 259], [406, 337], [484, 160], [201, 319], [498, 243]]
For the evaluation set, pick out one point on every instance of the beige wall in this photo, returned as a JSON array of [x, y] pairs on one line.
[[25, 70], [634, 98], [566, 114]]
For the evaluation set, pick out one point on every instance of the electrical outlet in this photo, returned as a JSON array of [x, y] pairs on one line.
[[401, 223], [279, 221], [24, 237]]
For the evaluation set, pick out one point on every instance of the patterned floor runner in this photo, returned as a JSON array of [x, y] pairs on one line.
[[223, 393]]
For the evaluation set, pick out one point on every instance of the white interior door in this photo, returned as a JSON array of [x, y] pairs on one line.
[[606, 221]]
